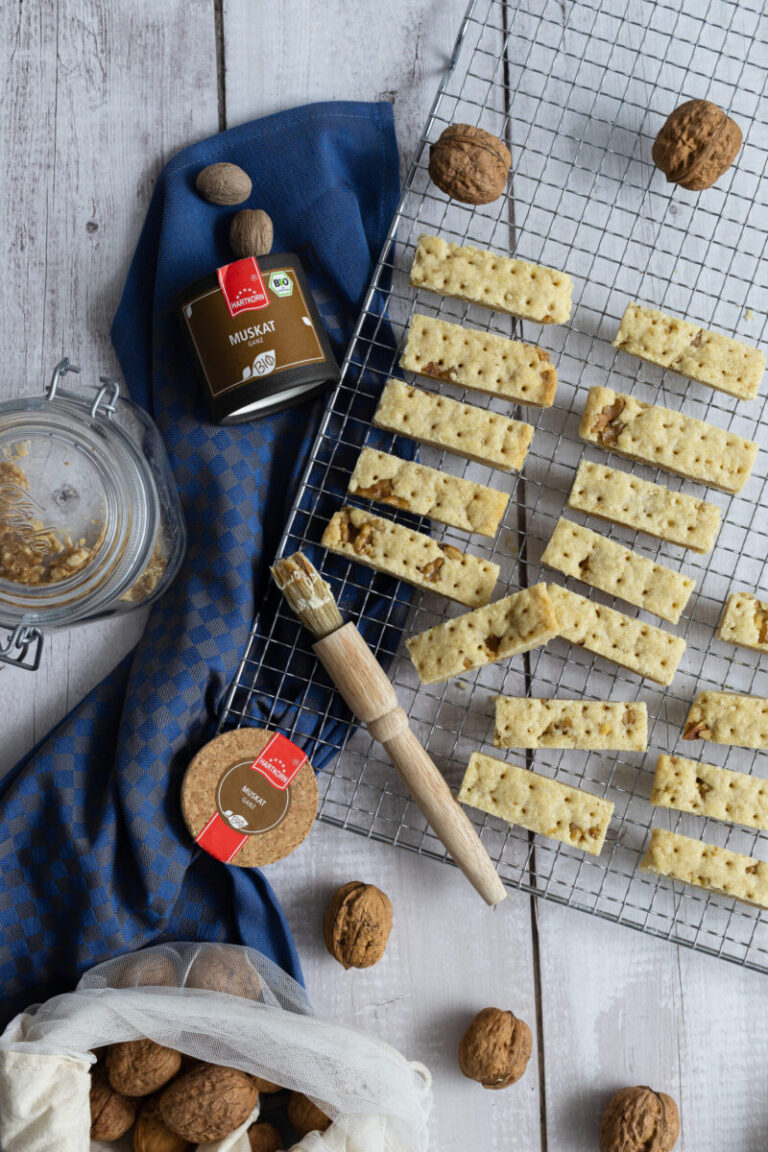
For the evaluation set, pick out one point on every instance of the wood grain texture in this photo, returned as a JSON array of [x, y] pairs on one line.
[[95, 98], [448, 957]]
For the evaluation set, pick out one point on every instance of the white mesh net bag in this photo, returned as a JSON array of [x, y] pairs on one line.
[[219, 1003]]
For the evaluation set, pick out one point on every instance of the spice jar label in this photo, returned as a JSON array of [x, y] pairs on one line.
[[242, 286], [252, 797], [237, 352]]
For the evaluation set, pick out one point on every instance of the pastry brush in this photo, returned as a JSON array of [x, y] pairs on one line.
[[369, 694]]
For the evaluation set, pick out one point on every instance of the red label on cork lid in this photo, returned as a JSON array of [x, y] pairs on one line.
[[242, 286], [252, 797]]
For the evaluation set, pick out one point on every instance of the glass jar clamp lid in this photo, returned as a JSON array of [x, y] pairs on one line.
[[90, 519]]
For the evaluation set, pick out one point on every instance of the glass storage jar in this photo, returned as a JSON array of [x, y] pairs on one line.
[[90, 518]]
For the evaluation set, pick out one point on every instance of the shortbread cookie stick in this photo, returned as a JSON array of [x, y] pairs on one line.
[[481, 360], [498, 282], [578, 551], [626, 499], [411, 556], [462, 428], [428, 492], [745, 622], [643, 649], [536, 802], [519, 622], [707, 866], [707, 357], [728, 718], [524, 722], [667, 439], [692, 786]]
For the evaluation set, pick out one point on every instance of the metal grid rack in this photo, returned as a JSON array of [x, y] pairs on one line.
[[578, 92]]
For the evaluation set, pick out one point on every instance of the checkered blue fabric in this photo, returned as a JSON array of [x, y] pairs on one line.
[[94, 858]]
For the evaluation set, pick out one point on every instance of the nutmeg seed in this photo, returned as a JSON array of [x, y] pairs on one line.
[[223, 184], [696, 145], [251, 233], [495, 1049], [639, 1120], [357, 924], [469, 164]]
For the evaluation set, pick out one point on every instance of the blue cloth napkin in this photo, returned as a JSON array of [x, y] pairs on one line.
[[94, 858]]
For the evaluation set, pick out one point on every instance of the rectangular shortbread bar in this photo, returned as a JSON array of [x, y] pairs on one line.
[[643, 649], [745, 622], [728, 718], [515, 624], [707, 866], [411, 556], [707, 357], [625, 499], [428, 492], [462, 428], [536, 802], [705, 790], [578, 551], [479, 360], [522, 722], [498, 282], [667, 439]]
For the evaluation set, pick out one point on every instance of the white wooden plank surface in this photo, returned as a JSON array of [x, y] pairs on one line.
[[95, 99], [106, 94]]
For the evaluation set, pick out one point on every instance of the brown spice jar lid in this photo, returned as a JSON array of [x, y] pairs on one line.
[[249, 797]]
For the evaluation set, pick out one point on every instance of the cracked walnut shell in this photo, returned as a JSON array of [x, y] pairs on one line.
[[140, 1067], [357, 924], [208, 1103], [495, 1049], [304, 1116], [639, 1120], [696, 145], [112, 1114], [469, 164]]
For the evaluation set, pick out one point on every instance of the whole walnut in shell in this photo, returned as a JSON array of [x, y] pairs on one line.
[[469, 164], [495, 1049], [140, 1067], [696, 145], [208, 1103], [264, 1137], [112, 1114], [225, 968], [304, 1116], [223, 184], [151, 1135], [639, 1120], [357, 924], [265, 1086]]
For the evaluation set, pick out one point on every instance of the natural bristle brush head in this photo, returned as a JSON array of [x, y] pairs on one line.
[[307, 594]]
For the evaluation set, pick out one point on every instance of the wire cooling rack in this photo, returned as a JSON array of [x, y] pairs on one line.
[[579, 92]]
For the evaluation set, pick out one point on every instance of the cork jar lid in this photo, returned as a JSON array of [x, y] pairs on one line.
[[249, 797]]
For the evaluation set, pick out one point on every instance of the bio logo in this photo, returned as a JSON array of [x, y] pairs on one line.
[[281, 283]]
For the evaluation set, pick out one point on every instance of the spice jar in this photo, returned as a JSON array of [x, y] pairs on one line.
[[257, 337], [90, 519]]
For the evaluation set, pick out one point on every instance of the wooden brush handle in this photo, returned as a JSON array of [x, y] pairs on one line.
[[369, 693]]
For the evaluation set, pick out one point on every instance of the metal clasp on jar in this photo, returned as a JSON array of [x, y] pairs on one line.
[[21, 639]]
